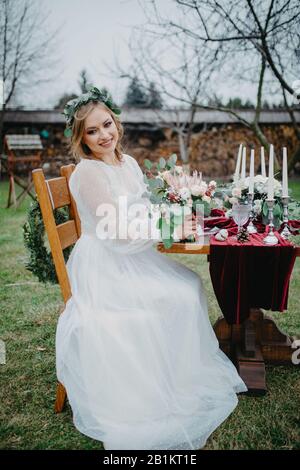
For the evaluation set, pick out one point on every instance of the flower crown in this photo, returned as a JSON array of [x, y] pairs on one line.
[[92, 94]]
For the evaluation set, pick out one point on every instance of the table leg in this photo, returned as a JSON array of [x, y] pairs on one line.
[[251, 345]]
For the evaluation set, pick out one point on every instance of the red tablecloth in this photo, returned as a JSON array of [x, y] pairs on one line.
[[250, 275], [294, 226], [217, 219]]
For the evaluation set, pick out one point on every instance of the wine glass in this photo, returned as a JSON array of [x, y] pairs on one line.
[[240, 214]]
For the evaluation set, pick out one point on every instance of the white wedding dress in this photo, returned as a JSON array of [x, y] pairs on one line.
[[134, 346]]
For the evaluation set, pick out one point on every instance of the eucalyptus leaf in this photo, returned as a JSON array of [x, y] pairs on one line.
[[148, 164], [159, 223], [207, 208], [220, 194], [168, 242], [277, 210], [173, 158], [156, 199], [165, 229], [68, 132], [160, 183], [154, 183], [162, 163], [93, 94], [265, 209]]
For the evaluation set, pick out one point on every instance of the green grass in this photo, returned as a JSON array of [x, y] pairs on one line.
[[28, 315], [294, 186]]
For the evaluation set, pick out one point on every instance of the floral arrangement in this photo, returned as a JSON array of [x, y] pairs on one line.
[[238, 191], [177, 193]]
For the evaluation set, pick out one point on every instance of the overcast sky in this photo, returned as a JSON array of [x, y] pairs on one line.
[[93, 33]]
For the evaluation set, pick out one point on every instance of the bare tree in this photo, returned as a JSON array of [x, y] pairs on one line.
[[270, 28], [239, 39], [27, 50], [182, 127], [180, 79], [296, 156]]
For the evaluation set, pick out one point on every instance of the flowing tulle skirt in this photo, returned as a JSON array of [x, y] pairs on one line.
[[137, 354]]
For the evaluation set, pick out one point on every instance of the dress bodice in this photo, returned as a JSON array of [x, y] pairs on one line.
[[96, 185]]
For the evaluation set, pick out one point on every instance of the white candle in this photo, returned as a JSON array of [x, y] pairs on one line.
[[251, 179], [243, 171], [238, 164], [262, 162], [285, 190], [271, 174]]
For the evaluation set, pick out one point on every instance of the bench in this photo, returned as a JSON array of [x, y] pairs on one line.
[[22, 155]]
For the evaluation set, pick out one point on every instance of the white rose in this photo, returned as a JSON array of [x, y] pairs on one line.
[[260, 179], [243, 184], [196, 190], [185, 193], [203, 187], [212, 184], [257, 206], [236, 192], [206, 199], [261, 187], [277, 184]]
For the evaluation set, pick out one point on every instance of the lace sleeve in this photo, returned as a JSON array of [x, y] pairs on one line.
[[121, 225], [146, 192], [139, 174]]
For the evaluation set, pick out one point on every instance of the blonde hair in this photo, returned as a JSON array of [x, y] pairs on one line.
[[78, 148]]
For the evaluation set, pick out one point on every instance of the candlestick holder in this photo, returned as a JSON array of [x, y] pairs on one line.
[[251, 227], [270, 239], [286, 233]]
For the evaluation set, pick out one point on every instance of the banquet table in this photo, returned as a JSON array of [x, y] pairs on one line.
[[251, 343]]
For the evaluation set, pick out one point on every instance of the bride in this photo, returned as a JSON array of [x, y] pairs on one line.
[[135, 349]]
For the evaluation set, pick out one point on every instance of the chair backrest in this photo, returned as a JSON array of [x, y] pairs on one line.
[[52, 194]]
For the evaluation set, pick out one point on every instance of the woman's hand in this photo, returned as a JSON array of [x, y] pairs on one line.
[[187, 228]]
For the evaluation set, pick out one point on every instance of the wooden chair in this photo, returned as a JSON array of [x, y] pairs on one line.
[[23, 154], [52, 194]]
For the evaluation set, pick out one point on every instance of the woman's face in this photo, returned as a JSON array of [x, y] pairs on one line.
[[100, 132]]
